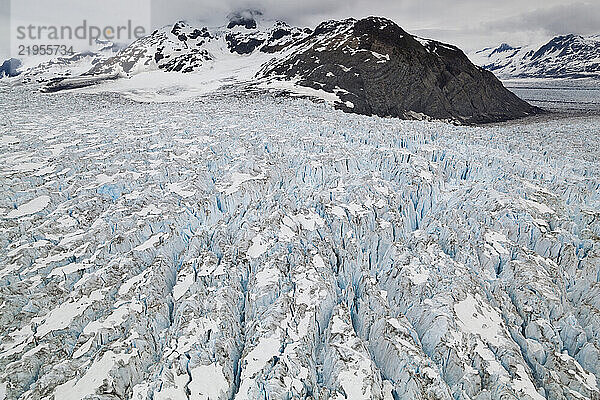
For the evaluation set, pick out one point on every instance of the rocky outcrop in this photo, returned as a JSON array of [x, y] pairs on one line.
[[10, 67], [375, 67]]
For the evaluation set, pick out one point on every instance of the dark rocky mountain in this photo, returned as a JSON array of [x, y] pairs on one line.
[[567, 56], [375, 67], [244, 18], [369, 66], [10, 67]]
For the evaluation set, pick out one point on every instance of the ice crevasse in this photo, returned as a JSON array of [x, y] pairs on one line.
[[268, 248]]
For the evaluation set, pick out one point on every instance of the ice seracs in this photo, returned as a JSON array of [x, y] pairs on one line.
[[244, 247]]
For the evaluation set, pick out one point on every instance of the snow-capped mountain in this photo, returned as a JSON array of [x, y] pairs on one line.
[[183, 48], [369, 66], [569, 56]]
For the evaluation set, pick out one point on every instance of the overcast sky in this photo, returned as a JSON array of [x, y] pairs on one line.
[[470, 24]]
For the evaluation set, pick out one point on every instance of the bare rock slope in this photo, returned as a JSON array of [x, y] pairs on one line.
[[378, 68]]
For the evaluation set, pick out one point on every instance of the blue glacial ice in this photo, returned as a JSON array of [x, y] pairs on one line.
[[256, 247]]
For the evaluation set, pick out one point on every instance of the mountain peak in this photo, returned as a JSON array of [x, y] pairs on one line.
[[246, 18], [502, 48], [381, 27], [359, 61], [569, 36]]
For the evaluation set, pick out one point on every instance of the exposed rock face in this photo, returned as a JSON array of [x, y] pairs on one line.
[[375, 67], [244, 18], [242, 45], [370, 66], [9, 67]]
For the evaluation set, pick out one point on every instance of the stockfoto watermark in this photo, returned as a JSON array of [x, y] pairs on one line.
[[46, 28], [85, 31]]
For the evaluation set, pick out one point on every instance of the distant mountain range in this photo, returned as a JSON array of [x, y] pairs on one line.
[[369, 66], [569, 56]]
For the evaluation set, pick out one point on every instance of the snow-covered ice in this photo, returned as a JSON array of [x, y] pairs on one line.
[[246, 247], [31, 207]]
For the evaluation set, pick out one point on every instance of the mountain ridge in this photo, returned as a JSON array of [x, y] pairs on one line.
[[371, 66], [564, 56]]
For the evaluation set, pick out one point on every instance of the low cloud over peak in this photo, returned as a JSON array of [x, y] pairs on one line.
[[470, 24]]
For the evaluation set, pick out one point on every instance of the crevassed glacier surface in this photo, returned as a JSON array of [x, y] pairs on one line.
[[266, 248]]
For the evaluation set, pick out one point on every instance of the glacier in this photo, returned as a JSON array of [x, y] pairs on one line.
[[260, 247]]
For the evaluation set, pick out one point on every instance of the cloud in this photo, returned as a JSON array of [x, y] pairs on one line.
[[306, 12], [582, 18], [470, 24]]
